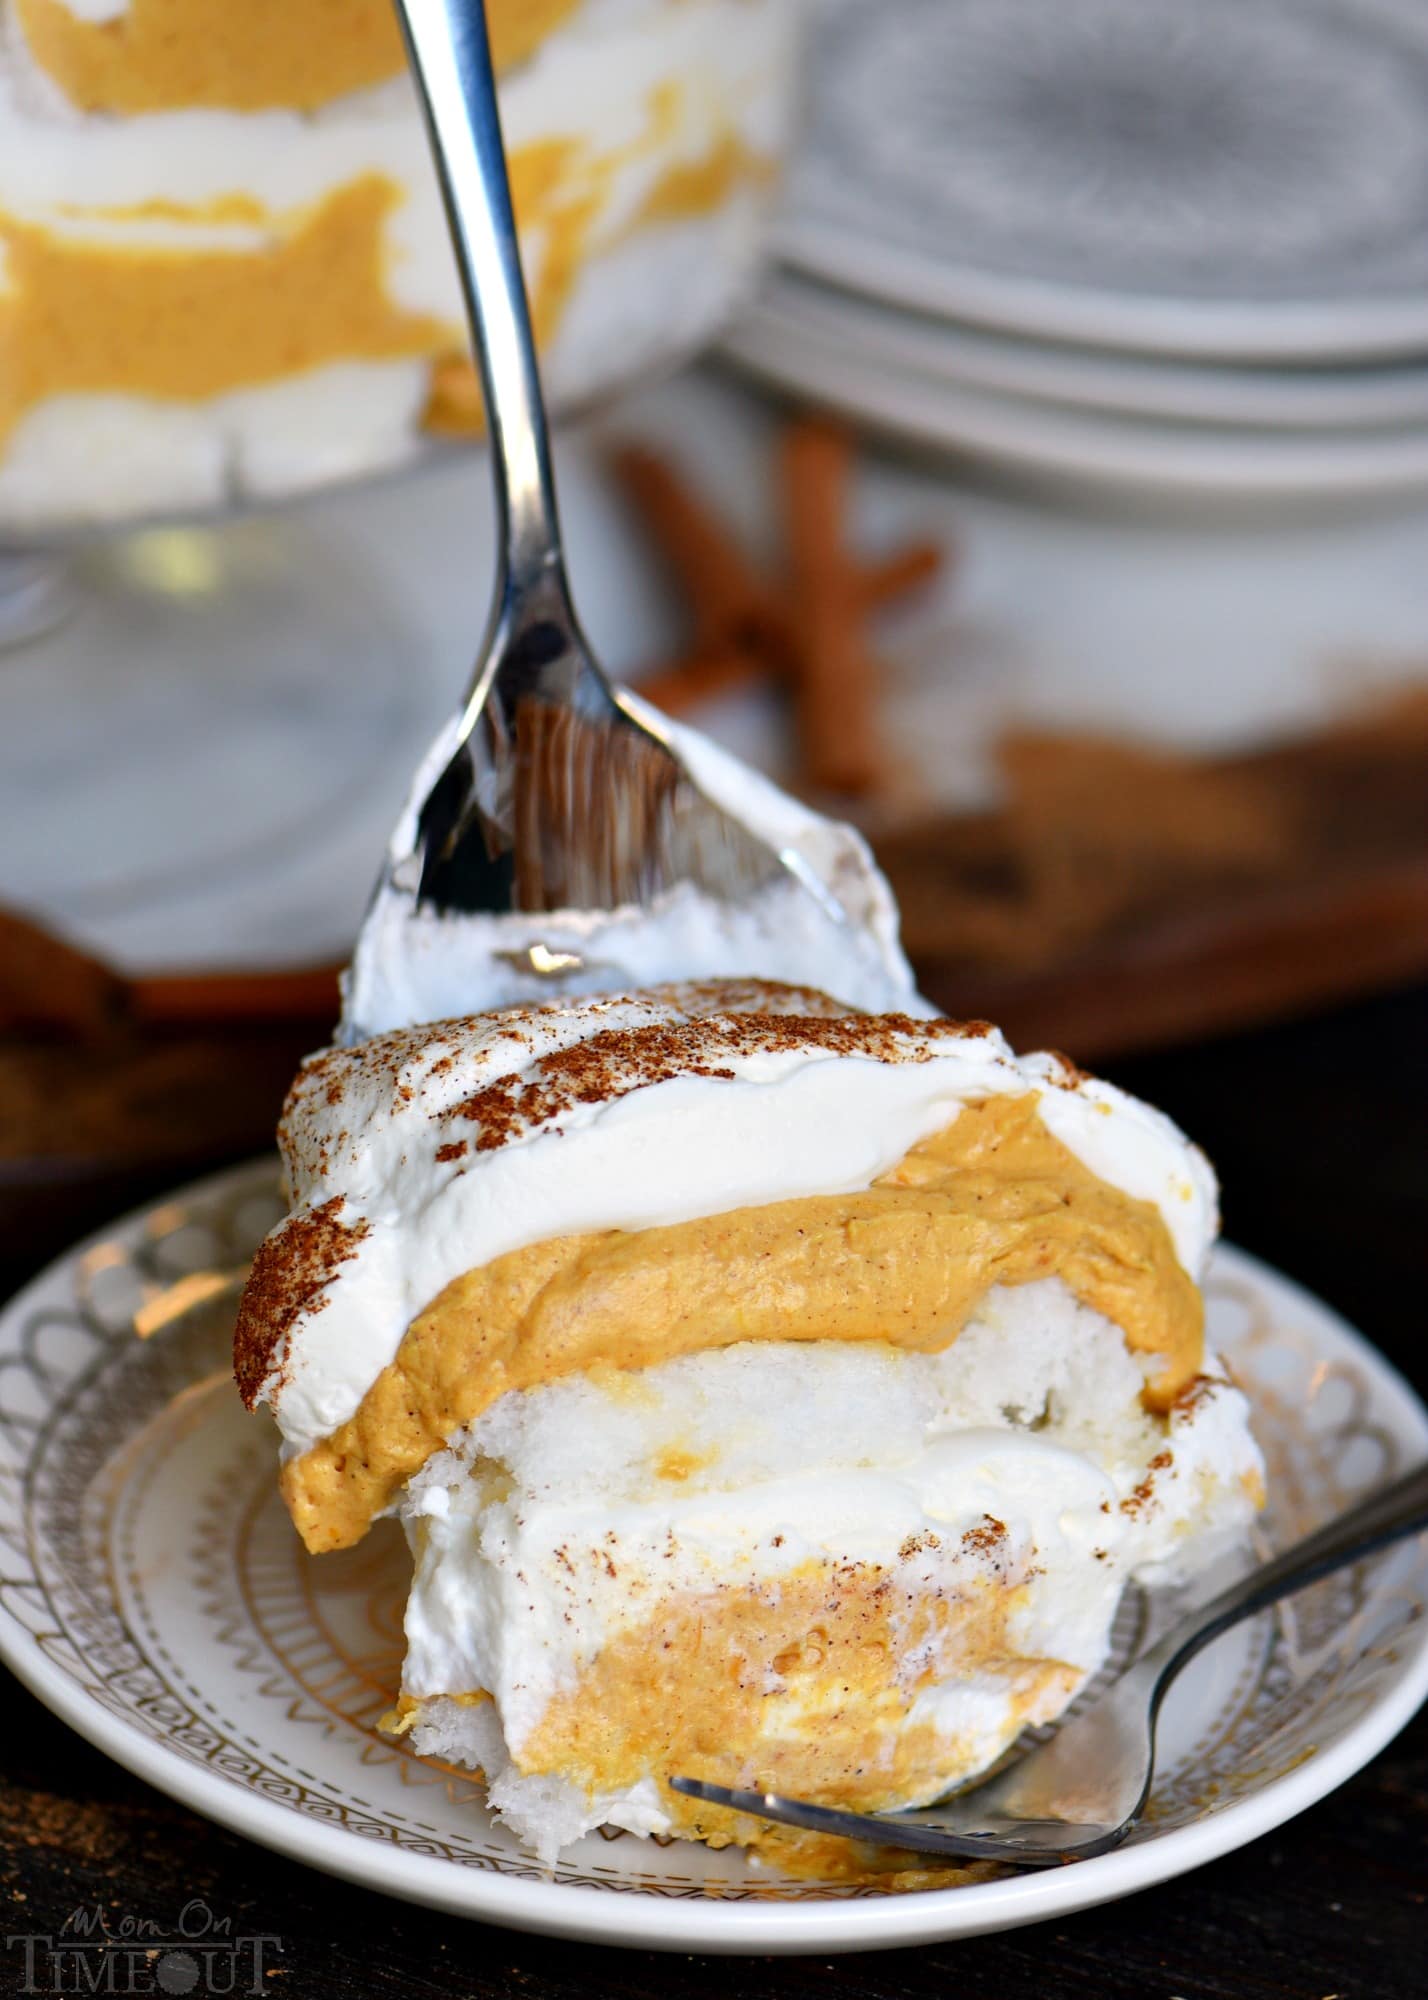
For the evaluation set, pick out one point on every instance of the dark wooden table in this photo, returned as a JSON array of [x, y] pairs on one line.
[[1318, 1131]]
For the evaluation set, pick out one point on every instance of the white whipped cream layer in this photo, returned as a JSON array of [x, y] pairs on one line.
[[114, 458], [95, 10], [412, 964], [549, 1530], [374, 1128]]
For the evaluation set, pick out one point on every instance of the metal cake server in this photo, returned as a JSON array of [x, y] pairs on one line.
[[556, 794], [1081, 1793]]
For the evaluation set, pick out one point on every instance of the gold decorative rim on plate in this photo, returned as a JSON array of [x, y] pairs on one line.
[[154, 1594]]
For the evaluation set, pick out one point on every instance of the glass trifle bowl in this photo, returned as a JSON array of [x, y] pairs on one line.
[[226, 282], [225, 262]]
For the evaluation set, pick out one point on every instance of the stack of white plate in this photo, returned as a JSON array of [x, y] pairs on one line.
[[1179, 244]]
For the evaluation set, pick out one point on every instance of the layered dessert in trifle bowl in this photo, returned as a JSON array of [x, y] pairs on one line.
[[228, 299], [227, 269], [779, 1386]]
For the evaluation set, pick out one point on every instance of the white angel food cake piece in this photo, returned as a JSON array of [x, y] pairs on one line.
[[772, 1393], [224, 264]]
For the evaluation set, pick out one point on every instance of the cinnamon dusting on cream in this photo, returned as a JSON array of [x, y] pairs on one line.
[[289, 1279]]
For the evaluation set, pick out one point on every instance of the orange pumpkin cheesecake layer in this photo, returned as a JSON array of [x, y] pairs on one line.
[[245, 55], [86, 316], [993, 1199], [86, 308], [805, 1684]]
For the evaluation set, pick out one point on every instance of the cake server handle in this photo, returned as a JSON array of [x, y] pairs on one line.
[[550, 790], [451, 60]]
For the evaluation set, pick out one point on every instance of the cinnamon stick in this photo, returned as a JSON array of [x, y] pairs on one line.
[[701, 677], [729, 600], [48, 984], [214, 999], [835, 686], [804, 630], [891, 577]]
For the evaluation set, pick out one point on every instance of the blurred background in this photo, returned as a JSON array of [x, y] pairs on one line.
[[1005, 422]]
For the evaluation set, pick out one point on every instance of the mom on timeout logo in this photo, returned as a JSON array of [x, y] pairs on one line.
[[199, 1953]]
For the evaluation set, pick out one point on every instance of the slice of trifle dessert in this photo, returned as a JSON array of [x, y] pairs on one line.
[[772, 1392]]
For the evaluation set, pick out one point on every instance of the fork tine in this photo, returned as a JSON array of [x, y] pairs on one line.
[[1019, 1843]]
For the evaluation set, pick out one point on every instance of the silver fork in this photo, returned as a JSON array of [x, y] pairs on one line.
[[1081, 1793], [556, 794]]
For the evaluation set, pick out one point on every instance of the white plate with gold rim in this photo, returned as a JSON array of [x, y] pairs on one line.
[[154, 1595]]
